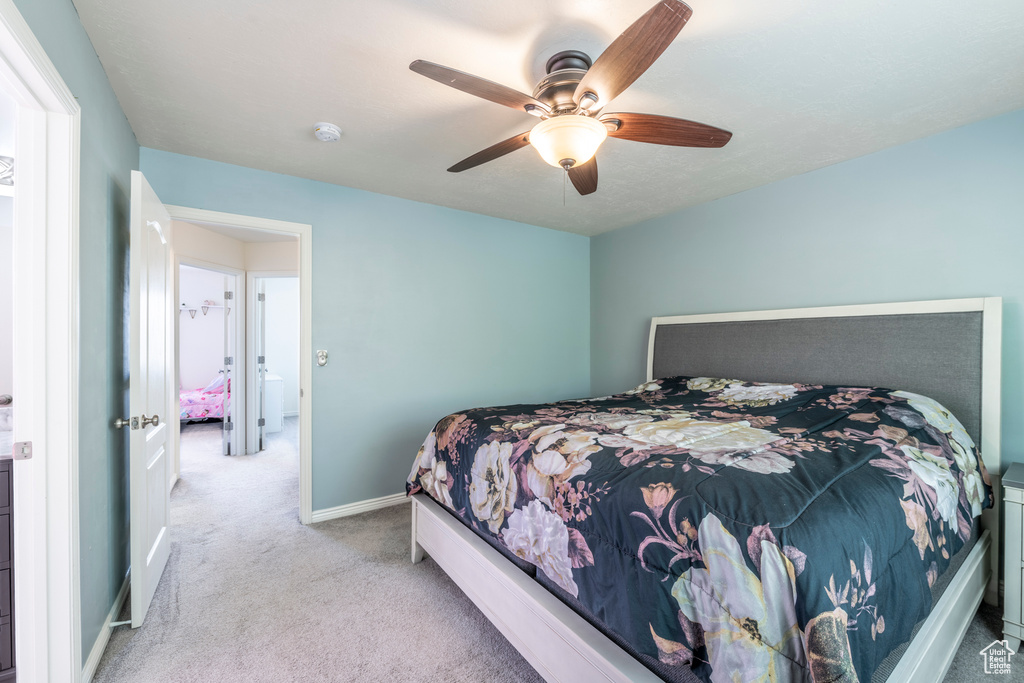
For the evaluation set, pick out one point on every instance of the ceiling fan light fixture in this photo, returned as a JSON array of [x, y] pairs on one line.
[[570, 137]]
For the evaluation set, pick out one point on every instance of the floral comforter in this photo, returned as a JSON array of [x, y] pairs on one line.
[[200, 404], [747, 531]]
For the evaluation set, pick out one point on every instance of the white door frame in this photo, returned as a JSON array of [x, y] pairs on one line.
[[47, 607], [239, 276], [304, 233], [251, 367]]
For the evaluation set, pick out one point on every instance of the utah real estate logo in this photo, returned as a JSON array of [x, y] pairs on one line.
[[997, 657]]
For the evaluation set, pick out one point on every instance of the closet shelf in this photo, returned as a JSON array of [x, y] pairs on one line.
[[205, 307]]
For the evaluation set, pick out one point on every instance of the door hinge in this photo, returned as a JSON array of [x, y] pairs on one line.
[[229, 360], [229, 426], [261, 360], [261, 297], [229, 295], [261, 422]]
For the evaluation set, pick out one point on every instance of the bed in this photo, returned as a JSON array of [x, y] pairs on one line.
[[205, 403], [719, 542]]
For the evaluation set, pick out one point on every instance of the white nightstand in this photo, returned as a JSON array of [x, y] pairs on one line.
[[1013, 601]]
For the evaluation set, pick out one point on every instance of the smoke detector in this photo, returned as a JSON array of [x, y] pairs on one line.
[[327, 132]]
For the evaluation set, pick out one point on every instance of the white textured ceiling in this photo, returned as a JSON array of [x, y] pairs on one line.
[[800, 84]]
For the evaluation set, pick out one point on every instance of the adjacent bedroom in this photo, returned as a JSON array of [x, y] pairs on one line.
[[561, 340]]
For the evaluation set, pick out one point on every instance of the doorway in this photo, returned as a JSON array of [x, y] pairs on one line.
[[8, 110], [272, 254], [272, 370], [209, 347], [45, 378]]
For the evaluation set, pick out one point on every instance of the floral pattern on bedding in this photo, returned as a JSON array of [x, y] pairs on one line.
[[200, 404], [748, 531]]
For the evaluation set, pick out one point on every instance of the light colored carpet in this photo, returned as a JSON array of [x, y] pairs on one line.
[[251, 595]]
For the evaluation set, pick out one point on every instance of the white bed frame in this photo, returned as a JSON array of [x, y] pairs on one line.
[[564, 647]]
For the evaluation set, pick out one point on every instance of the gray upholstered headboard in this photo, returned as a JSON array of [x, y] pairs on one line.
[[948, 350]]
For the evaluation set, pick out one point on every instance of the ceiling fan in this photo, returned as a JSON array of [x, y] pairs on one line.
[[569, 100]]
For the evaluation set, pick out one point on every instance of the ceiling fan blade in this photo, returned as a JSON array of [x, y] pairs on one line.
[[584, 177], [481, 87], [633, 52], [665, 130], [492, 152]]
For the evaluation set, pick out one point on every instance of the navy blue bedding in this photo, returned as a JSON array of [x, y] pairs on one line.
[[746, 531]]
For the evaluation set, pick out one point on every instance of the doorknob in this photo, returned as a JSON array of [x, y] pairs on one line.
[[155, 420], [121, 422]]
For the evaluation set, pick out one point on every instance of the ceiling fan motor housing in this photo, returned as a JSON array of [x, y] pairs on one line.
[[565, 70]]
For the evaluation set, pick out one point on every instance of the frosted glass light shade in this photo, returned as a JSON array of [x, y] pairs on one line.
[[570, 136]]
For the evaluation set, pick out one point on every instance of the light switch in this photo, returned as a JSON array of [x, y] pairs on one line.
[[321, 357]]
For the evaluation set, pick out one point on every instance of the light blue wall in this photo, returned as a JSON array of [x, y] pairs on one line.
[[108, 154], [942, 217], [427, 310], [424, 311]]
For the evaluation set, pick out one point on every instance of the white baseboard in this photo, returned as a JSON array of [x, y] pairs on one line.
[[96, 653], [356, 508]]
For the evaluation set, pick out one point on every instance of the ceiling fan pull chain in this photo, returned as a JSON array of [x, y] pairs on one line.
[[565, 177]]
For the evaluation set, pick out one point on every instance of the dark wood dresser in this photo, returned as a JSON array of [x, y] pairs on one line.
[[6, 571]]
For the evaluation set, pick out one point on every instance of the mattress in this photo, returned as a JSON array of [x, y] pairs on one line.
[[722, 529]]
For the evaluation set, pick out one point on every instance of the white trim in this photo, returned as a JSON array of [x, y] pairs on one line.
[[932, 650], [304, 232], [48, 610], [854, 310], [985, 304], [233, 220], [991, 426], [96, 653], [35, 74], [250, 426], [358, 507], [991, 377], [194, 262], [560, 644], [240, 348], [252, 437]]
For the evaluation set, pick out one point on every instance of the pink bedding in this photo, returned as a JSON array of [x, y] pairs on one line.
[[200, 404]]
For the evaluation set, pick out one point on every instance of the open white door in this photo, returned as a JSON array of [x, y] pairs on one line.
[[230, 434], [261, 359], [150, 370]]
